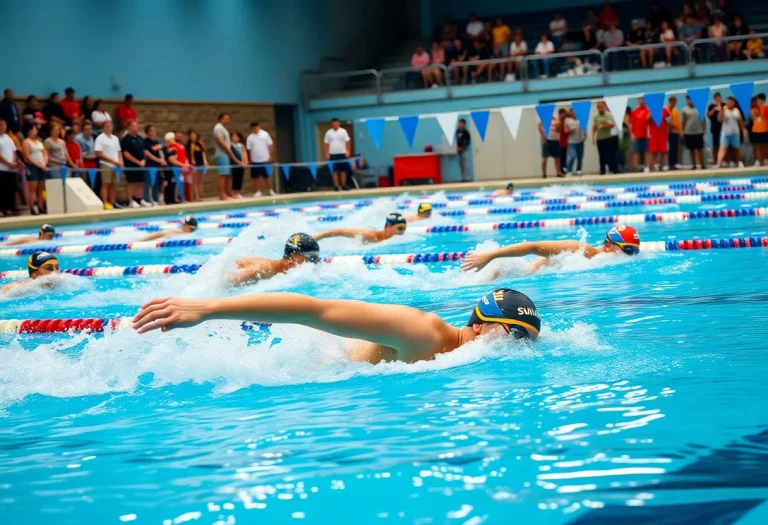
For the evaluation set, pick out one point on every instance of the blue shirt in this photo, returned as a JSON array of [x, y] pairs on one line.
[[87, 146], [690, 31]]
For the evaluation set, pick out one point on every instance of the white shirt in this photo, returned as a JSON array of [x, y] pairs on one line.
[[7, 150], [542, 48], [475, 28], [337, 141], [220, 132], [558, 27], [109, 146], [730, 122], [100, 117], [515, 48], [258, 146]]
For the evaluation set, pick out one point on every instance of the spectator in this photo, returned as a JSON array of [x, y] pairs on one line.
[[70, 107], [171, 153], [99, 117], [563, 140], [32, 113], [517, 49], [474, 27], [732, 131], [126, 112], [575, 142], [550, 146], [199, 162], [456, 54], [153, 153], [132, 146], [693, 133], [7, 171], [760, 130], [686, 12], [438, 59], [715, 125], [638, 36], [719, 47], [659, 140], [23, 184], [613, 39], [591, 20], [755, 47], [448, 32], [52, 111], [738, 28], [239, 151], [675, 132], [9, 112], [337, 148], [690, 31], [625, 141], [36, 159], [86, 108], [87, 145], [480, 52], [486, 37], [608, 16], [501, 36], [463, 140], [657, 15], [73, 150], [261, 150], [668, 37], [638, 126], [224, 157], [542, 65], [605, 136], [589, 41], [58, 157], [558, 27], [420, 60], [109, 153]]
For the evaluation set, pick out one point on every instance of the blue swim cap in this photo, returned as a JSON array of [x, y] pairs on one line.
[[37, 259], [191, 222], [510, 186], [510, 308], [393, 219], [302, 244], [47, 228]]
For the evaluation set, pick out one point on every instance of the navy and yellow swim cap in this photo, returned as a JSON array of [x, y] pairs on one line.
[[424, 207], [302, 244], [191, 222], [393, 219], [47, 228], [510, 308], [37, 259], [511, 187], [626, 238]]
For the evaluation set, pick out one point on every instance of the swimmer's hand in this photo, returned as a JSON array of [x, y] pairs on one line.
[[170, 312], [476, 261]]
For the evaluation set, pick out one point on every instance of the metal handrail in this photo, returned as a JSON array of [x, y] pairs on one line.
[[342, 74], [660, 45], [728, 39], [490, 61], [572, 54], [411, 69]]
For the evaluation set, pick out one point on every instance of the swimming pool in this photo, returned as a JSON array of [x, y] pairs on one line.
[[643, 399]]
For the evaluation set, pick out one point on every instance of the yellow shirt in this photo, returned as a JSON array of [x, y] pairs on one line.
[[754, 46], [674, 123], [501, 34]]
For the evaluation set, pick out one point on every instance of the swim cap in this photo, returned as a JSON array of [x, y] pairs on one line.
[[47, 228], [512, 309], [425, 207], [626, 238], [510, 186], [37, 259], [302, 244], [191, 222], [394, 219]]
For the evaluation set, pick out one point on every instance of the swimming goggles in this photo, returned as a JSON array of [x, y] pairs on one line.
[[629, 249], [53, 267]]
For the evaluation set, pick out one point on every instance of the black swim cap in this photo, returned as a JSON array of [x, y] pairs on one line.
[[191, 222], [425, 207], [394, 219], [512, 309], [37, 259], [47, 228], [302, 244], [510, 186]]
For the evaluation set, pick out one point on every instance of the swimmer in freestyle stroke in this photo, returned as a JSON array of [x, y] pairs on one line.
[[620, 239], [46, 233], [424, 211], [188, 226], [39, 264], [300, 248], [383, 332], [395, 225], [506, 192]]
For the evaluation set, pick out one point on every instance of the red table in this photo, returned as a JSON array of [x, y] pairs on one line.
[[417, 166]]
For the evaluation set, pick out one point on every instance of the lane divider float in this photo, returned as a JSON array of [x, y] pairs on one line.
[[93, 325], [132, 246]]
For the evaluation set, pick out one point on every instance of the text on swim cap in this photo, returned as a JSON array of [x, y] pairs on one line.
[[523, 310]]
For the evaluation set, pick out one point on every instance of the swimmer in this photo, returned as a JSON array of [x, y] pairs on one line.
[[46, 233], [299, 249], [382, 332], [509, 190], [38, 264], [395, 225], [620, 239], [188, 226], [424, 211]]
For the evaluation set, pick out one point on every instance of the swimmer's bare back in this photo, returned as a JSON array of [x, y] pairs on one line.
[[367, 235], [253, 269]]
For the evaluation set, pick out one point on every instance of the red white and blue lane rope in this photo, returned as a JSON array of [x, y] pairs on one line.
[[132, 246], [135, 229], [115, 271], [96, 325]]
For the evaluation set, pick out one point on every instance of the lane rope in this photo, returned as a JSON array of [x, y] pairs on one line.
[[88, 325]]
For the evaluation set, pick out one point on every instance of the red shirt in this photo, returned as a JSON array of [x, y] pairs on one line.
[[181, 152], [74, 153], [607, 16], [563, 137], [126, 113], [639, 122], [70, 108], [659, 131]]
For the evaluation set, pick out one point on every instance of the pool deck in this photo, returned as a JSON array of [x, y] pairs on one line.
[[34, 221]]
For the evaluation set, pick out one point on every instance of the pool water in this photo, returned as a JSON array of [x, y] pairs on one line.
[[643, 401]]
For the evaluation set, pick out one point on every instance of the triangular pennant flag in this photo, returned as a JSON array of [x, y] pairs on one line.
[[655, 104], [512, 116], [617, 106], [409, 124], [447, 123], [268, 169], [581, 109], [480, 118], [313, 170], [286, 171], [743, 95], [152, 176], [376, 129], [119, 174], [545, 112], [92, 176], [699, 97], [202, 169], [63, 172]]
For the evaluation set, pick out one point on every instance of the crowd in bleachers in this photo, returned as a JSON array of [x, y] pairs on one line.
[[481, 40]]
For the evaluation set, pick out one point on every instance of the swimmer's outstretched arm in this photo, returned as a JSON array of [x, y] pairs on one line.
[[24, 240], [541, 248], [160, 235], [406, 330], [345, 232]]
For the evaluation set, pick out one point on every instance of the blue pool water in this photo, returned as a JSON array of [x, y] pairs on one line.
[[643, 400]]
